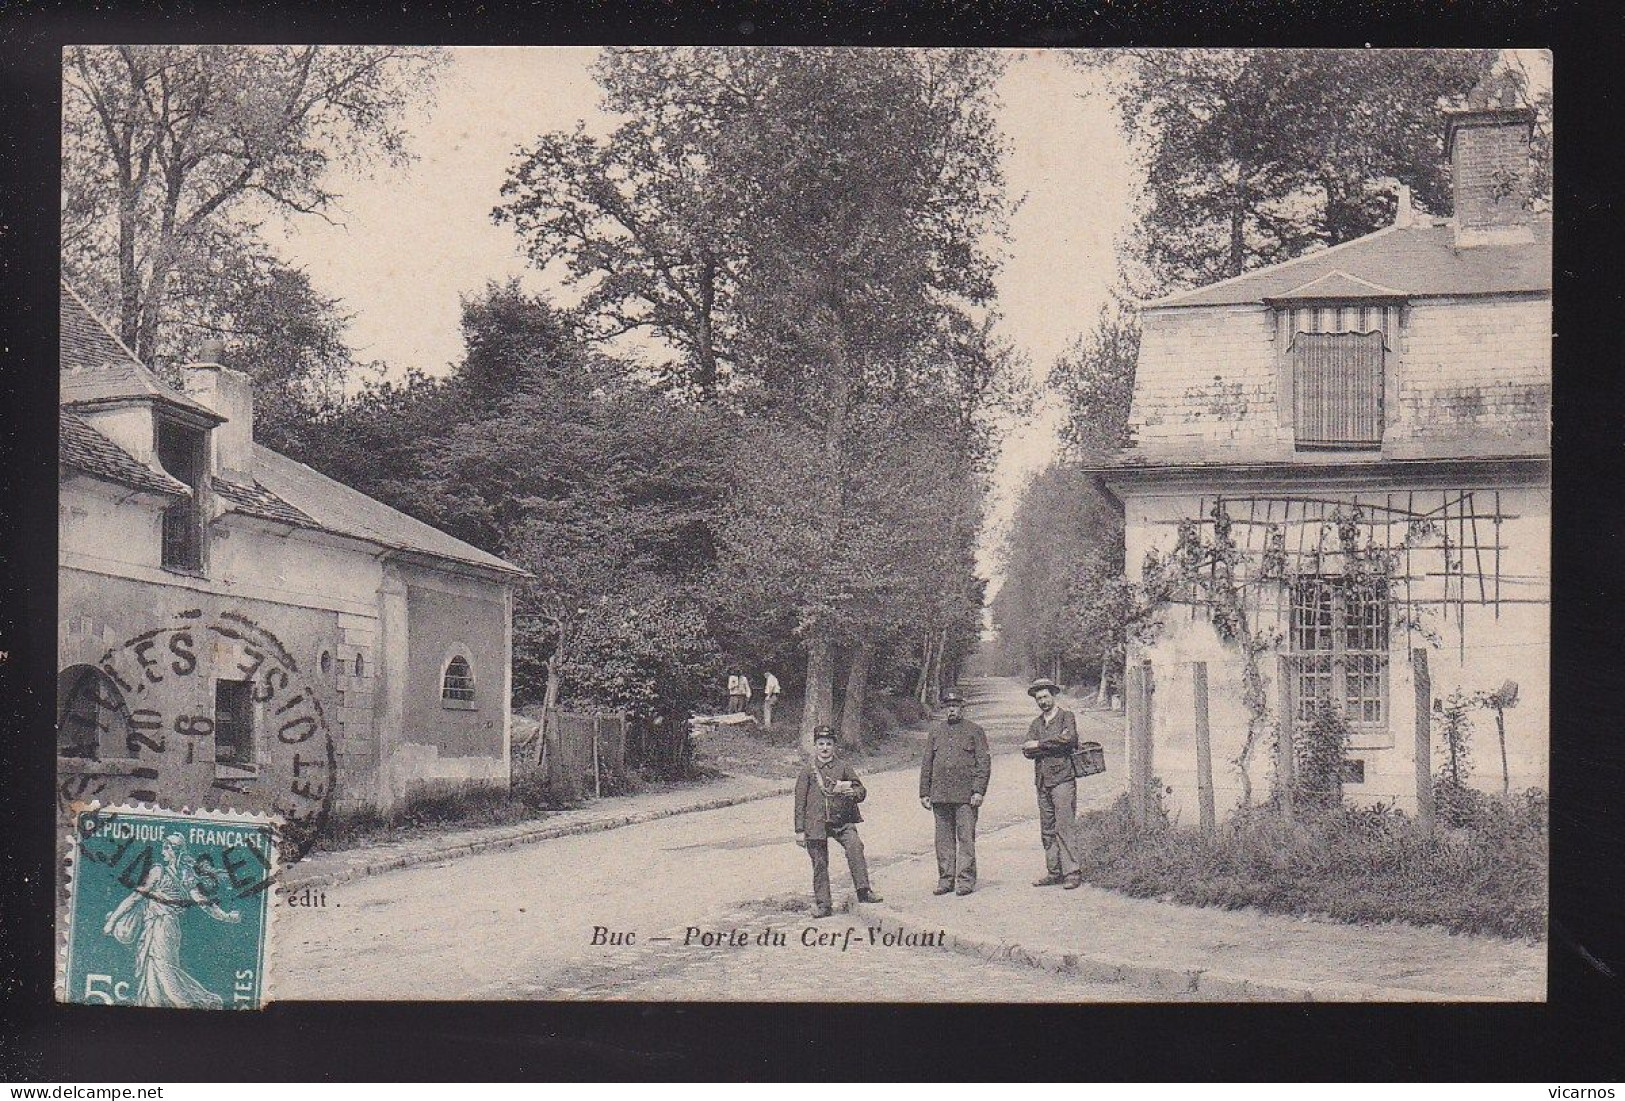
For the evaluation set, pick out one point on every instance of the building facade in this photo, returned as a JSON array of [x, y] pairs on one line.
[[1364, 433], [238, 630]]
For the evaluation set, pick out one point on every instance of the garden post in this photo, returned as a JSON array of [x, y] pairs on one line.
[[1424, 740], [1134, 674], [597, 782], [1285, 763], [1148, 685], [1204, 750]]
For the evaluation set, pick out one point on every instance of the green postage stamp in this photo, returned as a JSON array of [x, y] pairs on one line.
[[168, 909]]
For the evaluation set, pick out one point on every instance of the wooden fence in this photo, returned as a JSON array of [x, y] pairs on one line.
[[574, 756]]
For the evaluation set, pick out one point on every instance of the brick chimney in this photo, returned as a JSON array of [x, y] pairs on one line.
[[230, 393], [1488, 146]]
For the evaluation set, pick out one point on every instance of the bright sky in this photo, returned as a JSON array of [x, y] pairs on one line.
[[410, 245]]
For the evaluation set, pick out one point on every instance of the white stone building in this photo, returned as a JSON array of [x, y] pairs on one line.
[[237, 629], [1397, 386]]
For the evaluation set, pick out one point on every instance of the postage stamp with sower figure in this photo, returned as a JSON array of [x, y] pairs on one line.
[[169, 909]]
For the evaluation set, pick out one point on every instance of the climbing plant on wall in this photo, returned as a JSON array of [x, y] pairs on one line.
[[1207, 569]]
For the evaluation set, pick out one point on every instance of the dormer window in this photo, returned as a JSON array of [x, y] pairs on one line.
[[1337, 390], [1335, 336], [183, 453]]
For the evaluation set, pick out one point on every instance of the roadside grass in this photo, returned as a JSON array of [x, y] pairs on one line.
[[1484, 874], [776, 754], [439, 806]]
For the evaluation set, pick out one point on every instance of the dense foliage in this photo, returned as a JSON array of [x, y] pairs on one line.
[[1255, 156], [801, 239]]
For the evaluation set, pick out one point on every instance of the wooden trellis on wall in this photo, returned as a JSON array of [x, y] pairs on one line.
[[1446, 547]]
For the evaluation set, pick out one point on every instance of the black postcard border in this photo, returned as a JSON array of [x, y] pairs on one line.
[[1573, 1038]]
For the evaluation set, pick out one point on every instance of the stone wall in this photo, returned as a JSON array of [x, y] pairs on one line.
[[1470, 376], [1477, 646]]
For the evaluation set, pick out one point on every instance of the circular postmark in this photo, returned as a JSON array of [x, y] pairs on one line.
[[205, 711], [212, 860]]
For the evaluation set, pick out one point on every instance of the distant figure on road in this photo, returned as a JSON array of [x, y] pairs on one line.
[[770, 696], [953, 783], [1051, 741], [827, 796]]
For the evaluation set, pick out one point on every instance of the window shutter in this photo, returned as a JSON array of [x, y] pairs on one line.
[[1337, 389]]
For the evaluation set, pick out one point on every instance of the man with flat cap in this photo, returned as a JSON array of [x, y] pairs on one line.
[[1051, 741], [827, 796], [953, 783]]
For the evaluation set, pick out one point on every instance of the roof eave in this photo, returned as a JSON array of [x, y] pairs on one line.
[[1451, 468], [194, 416], [178, 492]]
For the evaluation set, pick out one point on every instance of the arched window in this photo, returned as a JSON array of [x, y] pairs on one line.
[[91, 715], [360, 666], [457, 683]]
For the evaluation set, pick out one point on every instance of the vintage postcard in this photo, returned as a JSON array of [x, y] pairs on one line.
[[792, 524]]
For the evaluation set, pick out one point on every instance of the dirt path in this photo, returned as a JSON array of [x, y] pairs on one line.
[[490, 924]]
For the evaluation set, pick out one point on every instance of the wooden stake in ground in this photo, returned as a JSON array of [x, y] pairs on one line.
[[1424, 743], [1285, 765], [1204, 750], [1134, 675]]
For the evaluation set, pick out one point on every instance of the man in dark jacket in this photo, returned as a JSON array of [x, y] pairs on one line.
[[953, 782], [1051, 741], [827, 796]]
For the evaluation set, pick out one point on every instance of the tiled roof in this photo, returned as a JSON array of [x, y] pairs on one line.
[[256, 500], [336, 507], [84, 449], [1417, 261], [98, 368], [85, 341]]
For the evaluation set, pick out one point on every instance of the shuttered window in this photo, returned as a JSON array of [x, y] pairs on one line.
[[1337, 389]]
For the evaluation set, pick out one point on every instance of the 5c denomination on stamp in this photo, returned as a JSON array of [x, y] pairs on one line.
[[169, 909]]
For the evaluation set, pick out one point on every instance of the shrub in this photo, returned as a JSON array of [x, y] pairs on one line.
[[1364, 864], [1319, 754]]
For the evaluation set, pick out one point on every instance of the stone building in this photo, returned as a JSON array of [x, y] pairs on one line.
[[236, 629], [1366, 429]]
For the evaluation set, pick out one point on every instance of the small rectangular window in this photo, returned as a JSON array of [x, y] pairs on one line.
[[183, 453], [1337, 390], [233, 723]]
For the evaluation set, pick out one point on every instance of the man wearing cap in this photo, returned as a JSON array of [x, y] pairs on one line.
[[1051, 741], [953, 782], [827, 796]]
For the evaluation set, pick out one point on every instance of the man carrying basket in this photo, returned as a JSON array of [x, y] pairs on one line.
[[1052, 739]]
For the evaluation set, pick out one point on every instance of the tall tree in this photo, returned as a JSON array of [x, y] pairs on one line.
[[1255, 156], [174, 153], [1094, 378], [543, 451], [875, 183], [811, 227], [1065, 545]]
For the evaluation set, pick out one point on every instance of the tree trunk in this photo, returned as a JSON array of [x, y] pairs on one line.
[[1238, 232], [129, 278], [857, 691], [550, 697], [925, 666], [707, 375], [818, 707], [1101, 694]]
